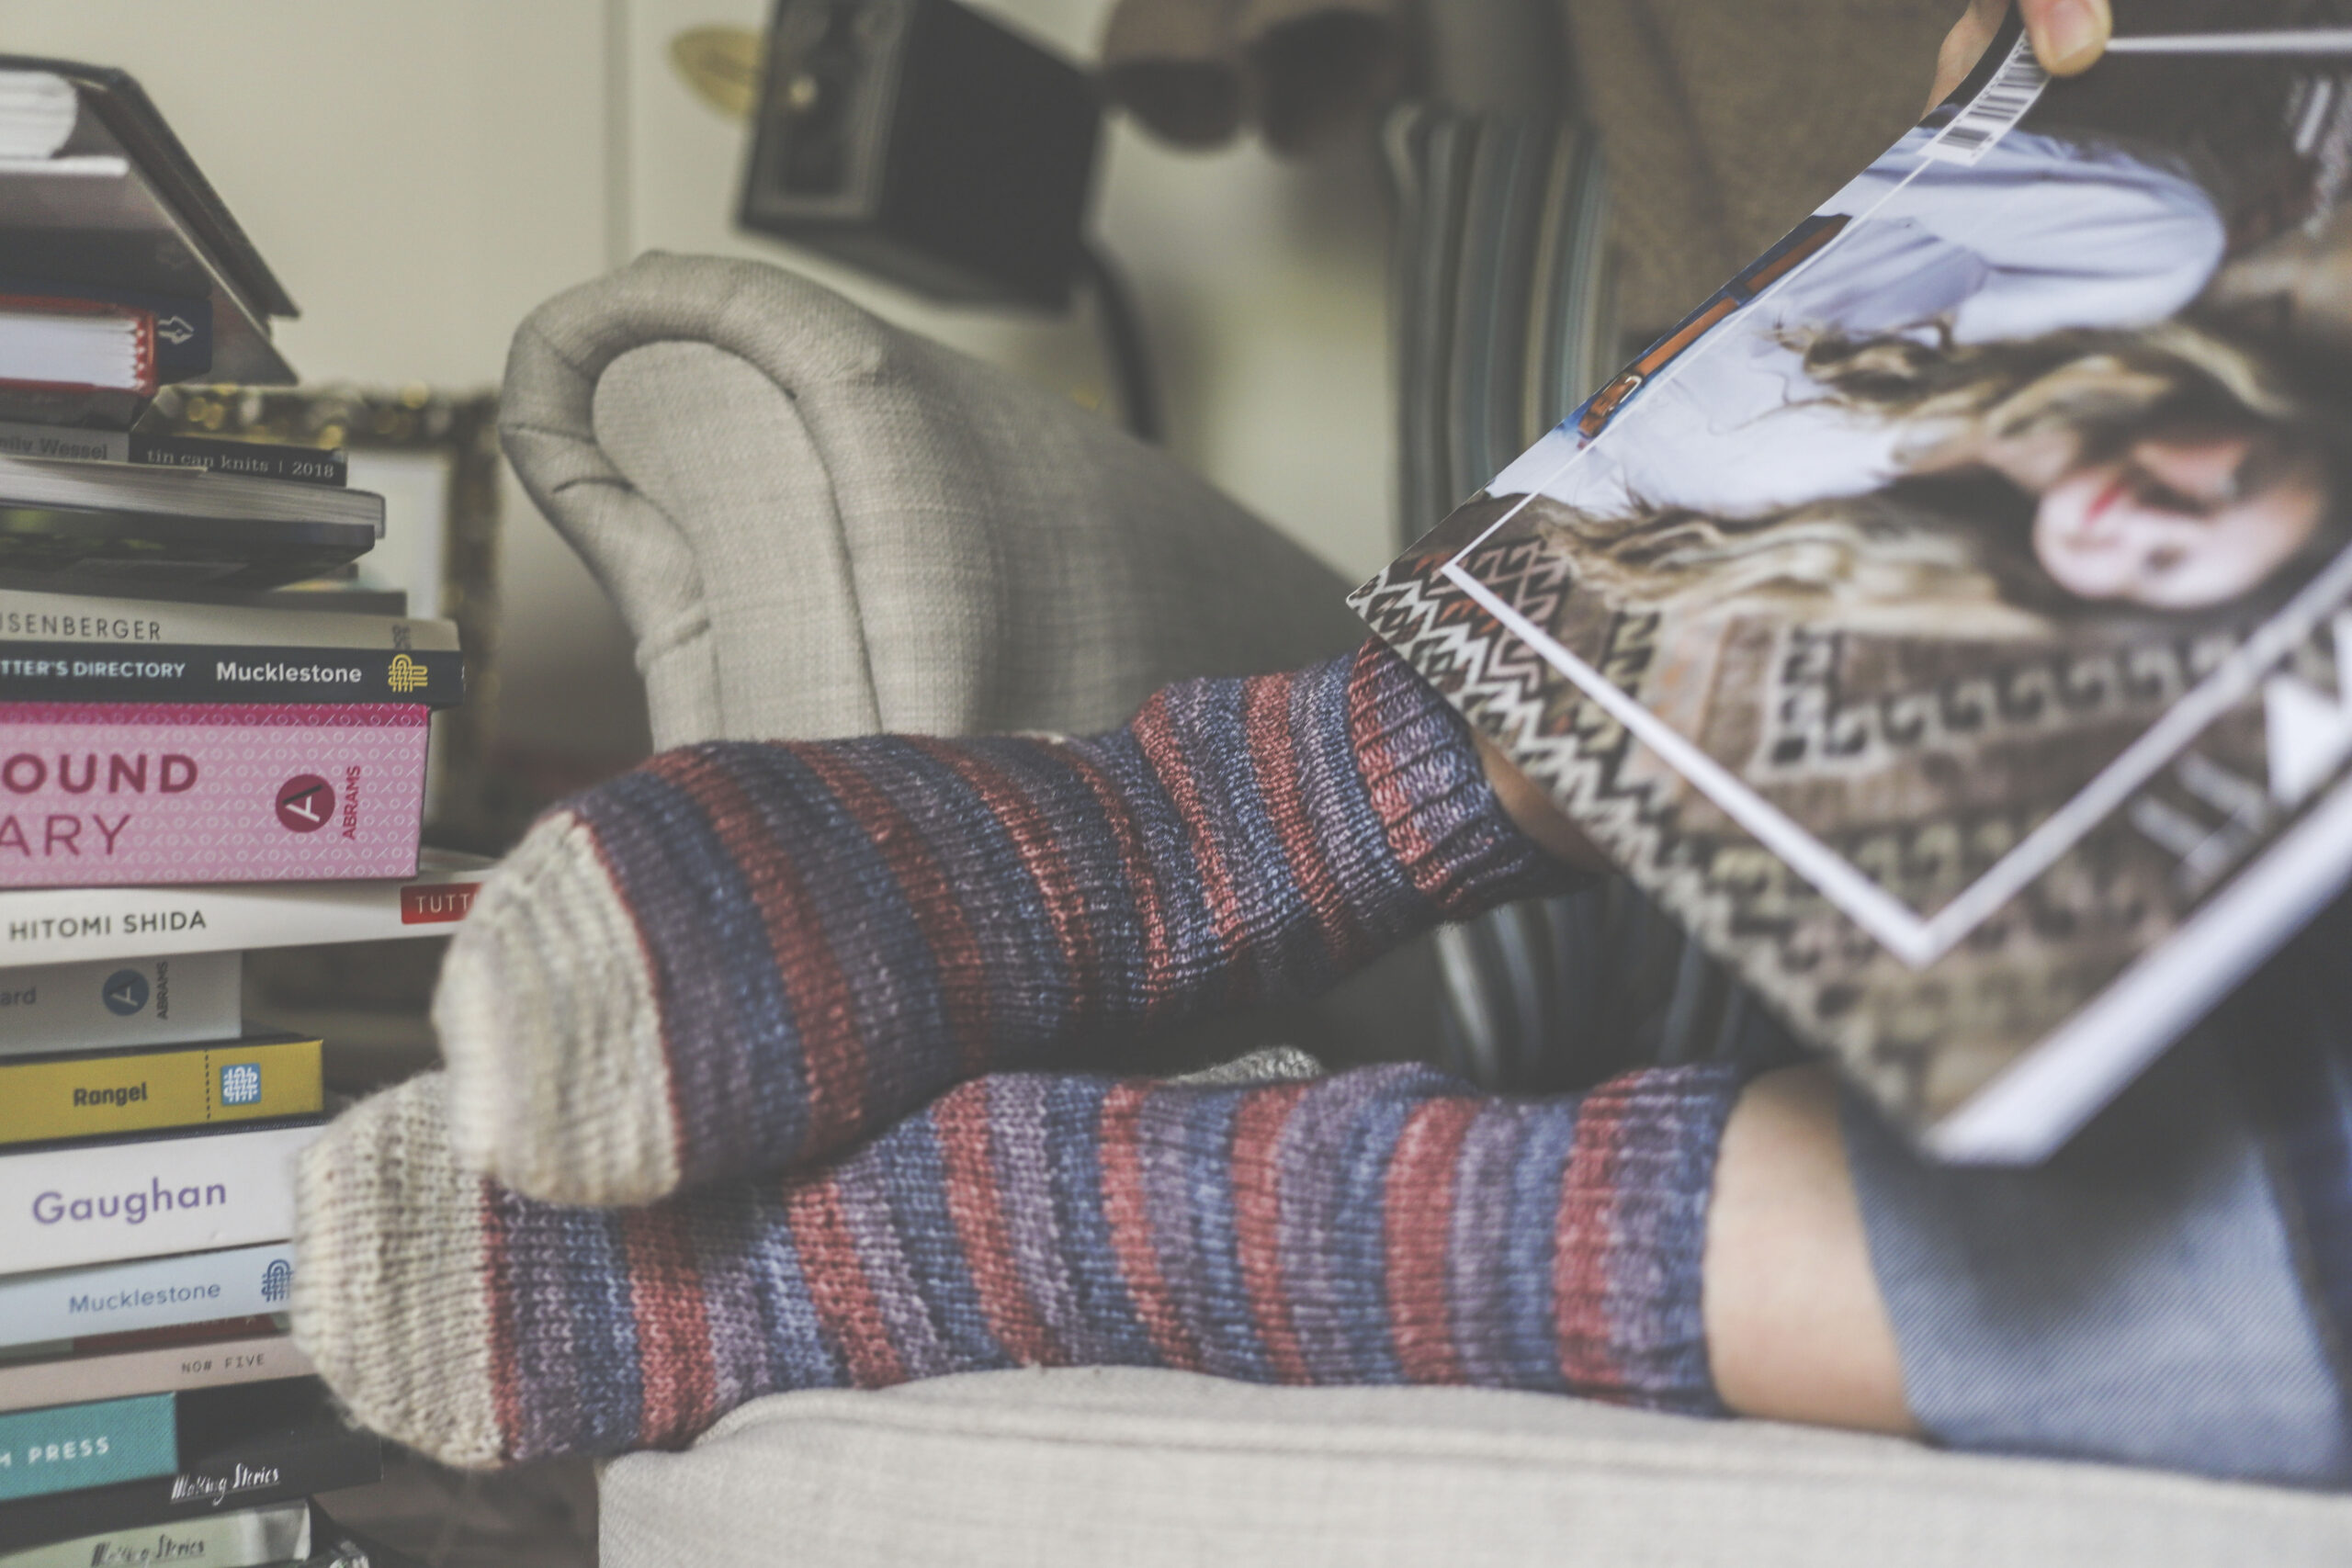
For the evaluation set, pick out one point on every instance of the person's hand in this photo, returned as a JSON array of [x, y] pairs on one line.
[[1525, 802], [2068, 35]]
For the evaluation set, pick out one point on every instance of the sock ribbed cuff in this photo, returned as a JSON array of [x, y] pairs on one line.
[[1427, 785]]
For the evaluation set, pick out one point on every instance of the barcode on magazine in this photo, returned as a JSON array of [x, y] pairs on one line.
[[1994, 112]]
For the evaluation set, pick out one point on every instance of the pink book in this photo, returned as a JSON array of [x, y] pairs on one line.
[[93, 794]]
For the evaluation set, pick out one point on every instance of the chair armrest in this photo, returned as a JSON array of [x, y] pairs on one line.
[[816, 524]]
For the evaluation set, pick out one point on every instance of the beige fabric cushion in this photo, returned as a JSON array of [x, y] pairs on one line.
[[1117, 1467], [817, 525]]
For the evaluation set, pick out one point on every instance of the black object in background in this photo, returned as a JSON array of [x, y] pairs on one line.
[[924, 142]]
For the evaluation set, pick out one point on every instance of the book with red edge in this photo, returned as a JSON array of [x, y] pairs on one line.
[[67, 360], [96, 188], [53, 925]]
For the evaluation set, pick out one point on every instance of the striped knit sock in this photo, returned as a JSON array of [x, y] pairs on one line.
[[1390, 1226], [743, 957]]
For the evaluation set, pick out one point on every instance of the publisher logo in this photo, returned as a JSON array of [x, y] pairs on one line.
[[436, 902], [125, 993], [241, 1084], [276, 1279], [406, 674], [305, 804]]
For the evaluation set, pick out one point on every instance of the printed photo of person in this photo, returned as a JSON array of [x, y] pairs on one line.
[[1997, 405]]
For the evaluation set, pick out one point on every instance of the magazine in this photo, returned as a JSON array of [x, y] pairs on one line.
[[1944, 622]]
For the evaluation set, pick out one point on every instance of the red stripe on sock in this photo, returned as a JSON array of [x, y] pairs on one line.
[[1169, 763], [833, 1056], [1034, 839], [1257, 1225], [924, 883], [1392, 800], [506, 1298], [838, 1286], [1135, 865], [1273, 752], [960, 1121], [1124, 1205], [1581, 1245], [675, 1366], [1417, 1205]]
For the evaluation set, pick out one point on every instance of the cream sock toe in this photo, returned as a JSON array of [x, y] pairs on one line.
[[559, 1087], [390, 1298]]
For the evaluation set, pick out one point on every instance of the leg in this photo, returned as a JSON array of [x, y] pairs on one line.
[[743, 958], [1796, 1326], [1382, 1226], [2143, 1298]]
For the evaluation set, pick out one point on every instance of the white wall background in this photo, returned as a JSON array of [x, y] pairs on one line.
[[420, 173]]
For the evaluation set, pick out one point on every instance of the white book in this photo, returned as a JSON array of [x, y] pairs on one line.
[[157, 1369], [77, 617], [57, 925], [249, 1540], [113, 1002], [163, 1293], [146, 1197]]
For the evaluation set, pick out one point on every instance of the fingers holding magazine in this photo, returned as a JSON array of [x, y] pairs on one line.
[[2068, 37]]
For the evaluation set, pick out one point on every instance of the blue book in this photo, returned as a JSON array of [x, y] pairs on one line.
[[68, 1447], [161, 1293]]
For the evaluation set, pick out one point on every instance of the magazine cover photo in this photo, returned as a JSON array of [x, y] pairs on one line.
[[1943, 621]]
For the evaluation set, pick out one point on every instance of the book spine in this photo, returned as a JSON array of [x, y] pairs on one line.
[[66, 1448], [67, 1303], [37, 403], [182, 326], [67, 672], [104, 794], [19, 439], [107, 1202], [47, 925], [253, 1538], [137, 324], [114, 1003], [36, 617], [118, 1093], [326, 1457], [177, 1335], [250, 459], [259, 1357]]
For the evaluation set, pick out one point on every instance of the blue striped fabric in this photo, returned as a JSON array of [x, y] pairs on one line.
[[620, 1328]]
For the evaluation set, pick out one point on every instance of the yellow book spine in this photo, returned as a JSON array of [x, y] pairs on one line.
[[189, 1086]]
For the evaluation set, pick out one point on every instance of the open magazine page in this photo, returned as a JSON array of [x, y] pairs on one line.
[[1943, 622]]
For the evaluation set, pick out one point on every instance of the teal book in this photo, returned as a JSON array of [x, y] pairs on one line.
[[68, 1447]]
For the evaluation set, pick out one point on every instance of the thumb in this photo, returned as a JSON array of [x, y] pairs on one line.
[[2068, 35]]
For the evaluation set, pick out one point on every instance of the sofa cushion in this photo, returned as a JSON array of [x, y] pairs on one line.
[[1118, 1468]]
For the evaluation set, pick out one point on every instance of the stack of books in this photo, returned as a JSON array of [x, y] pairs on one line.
[[192, 764]]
